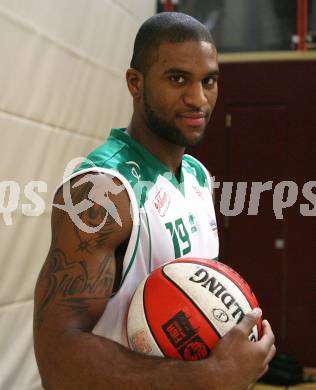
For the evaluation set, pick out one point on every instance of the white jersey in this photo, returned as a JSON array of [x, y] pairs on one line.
[[171, 218]]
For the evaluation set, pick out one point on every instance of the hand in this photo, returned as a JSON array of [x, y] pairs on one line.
[[241, 362]]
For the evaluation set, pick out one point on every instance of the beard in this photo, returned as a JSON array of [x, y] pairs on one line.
[[165, 129]]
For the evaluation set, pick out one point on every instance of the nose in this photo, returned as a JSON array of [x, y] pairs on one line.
[[194, 95]]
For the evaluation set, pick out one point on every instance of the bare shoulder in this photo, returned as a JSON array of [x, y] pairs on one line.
[[96, 206]]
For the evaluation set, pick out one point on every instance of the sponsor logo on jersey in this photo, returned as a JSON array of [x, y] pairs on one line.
[[213, 225], [192, 223], [162, 202], [198, 191]]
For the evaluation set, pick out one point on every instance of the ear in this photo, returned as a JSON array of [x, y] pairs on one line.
[[135, 82]]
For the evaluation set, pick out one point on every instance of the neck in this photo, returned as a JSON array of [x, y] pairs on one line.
[[169, 154]]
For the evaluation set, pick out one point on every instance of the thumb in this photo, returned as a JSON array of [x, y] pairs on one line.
[[250, 320]]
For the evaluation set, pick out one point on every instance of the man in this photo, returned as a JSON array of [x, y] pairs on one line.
[[142, 202]]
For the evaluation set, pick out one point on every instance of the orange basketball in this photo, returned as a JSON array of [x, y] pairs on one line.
[[184, 307]]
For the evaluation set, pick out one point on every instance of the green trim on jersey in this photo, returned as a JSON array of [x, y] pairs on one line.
[[193, 166], [132, 258], [125, 155], [149, 234]]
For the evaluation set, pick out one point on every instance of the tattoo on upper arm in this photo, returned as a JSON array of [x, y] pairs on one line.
[[73, 279], [88, 202], [99, 238], [72, 284], [102, 237], [95, 216]]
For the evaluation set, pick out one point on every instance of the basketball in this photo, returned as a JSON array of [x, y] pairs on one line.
[[184, 307]]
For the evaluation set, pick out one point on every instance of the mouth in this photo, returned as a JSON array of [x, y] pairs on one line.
[[193, 119]]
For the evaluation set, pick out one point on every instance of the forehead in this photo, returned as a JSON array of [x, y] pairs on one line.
[[189, 56]]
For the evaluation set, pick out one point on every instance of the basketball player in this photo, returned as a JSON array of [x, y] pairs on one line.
[[139, 202]]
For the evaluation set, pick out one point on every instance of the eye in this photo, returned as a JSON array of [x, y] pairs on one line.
[[177, 79], [210, 81]]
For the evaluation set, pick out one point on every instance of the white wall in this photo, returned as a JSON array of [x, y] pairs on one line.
[[62, 86]]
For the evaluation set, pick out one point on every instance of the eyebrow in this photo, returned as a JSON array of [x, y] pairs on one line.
[[214, 72]]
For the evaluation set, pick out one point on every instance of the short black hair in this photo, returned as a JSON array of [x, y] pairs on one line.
[[173, 27]]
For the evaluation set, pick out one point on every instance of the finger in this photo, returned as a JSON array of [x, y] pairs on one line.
[[271, 354], [264, 371], [250, 320], [267, 337]]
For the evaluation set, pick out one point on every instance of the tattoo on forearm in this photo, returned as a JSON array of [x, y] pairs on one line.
[[72, 285]]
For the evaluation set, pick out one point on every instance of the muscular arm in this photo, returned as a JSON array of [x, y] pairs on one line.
[[72, 292]]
